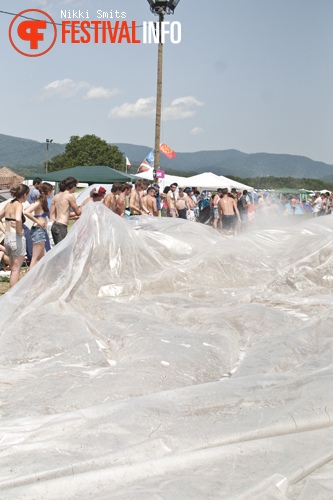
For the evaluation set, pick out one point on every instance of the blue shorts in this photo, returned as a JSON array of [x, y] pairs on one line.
[[37, 234]]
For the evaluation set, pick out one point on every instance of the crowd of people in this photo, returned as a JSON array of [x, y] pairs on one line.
[[319, 204], [228, 212]]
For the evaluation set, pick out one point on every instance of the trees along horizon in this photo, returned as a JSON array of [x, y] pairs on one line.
[[270, 182], [88, 150]]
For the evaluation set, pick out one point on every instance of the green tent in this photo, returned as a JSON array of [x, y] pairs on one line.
[[91, 175]]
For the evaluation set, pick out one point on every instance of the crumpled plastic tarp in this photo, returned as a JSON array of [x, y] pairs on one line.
[[153, 358]]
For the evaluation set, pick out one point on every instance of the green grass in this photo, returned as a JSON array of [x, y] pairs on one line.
[[4, 285]]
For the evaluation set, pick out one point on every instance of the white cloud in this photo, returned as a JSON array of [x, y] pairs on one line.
[[145, 106], [65, 89], [42, 3], [179, 109], [68, 89], [197, 131], [101, 93]]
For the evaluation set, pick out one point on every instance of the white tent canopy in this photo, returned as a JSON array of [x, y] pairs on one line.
[[146, 175], [206, 180], [234, 184], [209, 180], [166, 181]]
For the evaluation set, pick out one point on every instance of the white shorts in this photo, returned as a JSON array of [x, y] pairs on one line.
[[15, 245]]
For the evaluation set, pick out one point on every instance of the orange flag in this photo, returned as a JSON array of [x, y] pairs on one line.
[[165, 149]]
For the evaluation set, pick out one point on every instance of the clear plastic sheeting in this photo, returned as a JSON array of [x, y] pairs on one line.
[[155, 358]]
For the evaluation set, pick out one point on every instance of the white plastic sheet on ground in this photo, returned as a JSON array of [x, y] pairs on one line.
[[155, 359]]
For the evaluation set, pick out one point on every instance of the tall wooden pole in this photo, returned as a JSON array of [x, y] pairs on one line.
[[159, 96]]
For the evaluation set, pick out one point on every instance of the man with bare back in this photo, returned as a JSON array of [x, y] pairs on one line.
[[126, 190], [150, 201], [228, 211], [110, 199], [60, 208], [136, 205], [171, 200]]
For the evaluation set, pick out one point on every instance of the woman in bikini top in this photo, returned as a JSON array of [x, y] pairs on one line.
[[13, 211], [40, 212], [14, 233], [10, 219]]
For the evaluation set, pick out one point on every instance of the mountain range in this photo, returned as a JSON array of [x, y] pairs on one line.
[[18, 152]]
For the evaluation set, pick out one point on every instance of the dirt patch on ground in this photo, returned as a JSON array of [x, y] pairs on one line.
[[3, 287]]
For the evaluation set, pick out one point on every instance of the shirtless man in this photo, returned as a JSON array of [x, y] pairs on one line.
[[136, 205], [171, 201], [150, 201], [60, 209], [182, 203], [110, 200], [126, 190], [227, 207], [145, 184]]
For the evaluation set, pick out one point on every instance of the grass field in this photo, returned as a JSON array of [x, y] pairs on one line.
[[4, 285]]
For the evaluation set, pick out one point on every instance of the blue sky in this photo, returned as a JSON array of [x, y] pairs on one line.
[[252, 75]]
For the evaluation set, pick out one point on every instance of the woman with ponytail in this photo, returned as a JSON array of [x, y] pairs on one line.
[[14, 233], [40, 211]]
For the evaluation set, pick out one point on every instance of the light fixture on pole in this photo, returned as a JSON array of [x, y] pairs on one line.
[[167, 6], [160, 8], [48, 141]]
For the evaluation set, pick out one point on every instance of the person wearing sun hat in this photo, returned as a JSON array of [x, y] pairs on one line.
[[99, 194], [95, 195]]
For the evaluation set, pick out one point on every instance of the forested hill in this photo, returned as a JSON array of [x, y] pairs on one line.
[[16, 151]]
